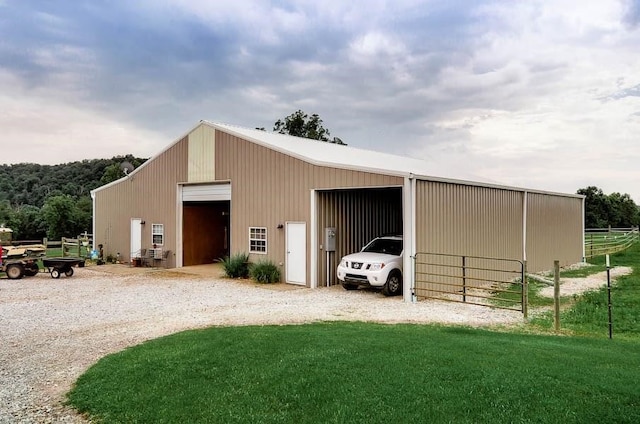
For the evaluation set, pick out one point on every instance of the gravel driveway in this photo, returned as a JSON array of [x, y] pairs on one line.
[[53, 330]]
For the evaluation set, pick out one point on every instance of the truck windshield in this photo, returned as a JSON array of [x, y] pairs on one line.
[[388, 246]]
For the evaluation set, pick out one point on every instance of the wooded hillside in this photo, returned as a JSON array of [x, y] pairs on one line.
[[53, 201]]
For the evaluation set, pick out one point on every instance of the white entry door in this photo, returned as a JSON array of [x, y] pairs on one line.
[[136, 237], [296, 260]]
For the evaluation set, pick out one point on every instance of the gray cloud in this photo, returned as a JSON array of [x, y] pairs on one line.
[[632, 13], [467, 85], [633, 91]]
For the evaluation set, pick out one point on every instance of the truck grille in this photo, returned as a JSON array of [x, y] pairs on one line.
[[352, 278]]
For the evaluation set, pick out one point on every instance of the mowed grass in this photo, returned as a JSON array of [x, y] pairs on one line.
[[54, 252], [364, 373], [587, 314]]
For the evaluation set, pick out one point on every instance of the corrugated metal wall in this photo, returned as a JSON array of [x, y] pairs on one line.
[[202, 149], [466, 220], [149, 194], [482, 221], [554, 231], [358, 216], [270, 188]]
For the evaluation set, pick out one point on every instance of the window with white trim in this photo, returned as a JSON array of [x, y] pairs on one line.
[[257, 240], [157, 234]]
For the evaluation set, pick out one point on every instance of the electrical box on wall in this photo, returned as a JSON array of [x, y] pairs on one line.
[[330, 239]]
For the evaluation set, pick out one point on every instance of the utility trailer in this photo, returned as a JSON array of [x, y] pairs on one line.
[[57, 266]]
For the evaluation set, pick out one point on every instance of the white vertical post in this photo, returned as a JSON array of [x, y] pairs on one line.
[[584, 252], [313, 252], [408, 210], [93, 224], [525, 204], [179, 218]]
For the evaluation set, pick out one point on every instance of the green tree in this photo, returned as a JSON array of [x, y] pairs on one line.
[[615, 210], [84, 215], [112, 172], [27, 223], [623, 212], [596, 207], [300, 124], [60, 213], [6, 214], [26, 187]]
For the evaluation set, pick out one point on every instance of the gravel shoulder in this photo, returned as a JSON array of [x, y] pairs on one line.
[[53, 330], [571, 286]]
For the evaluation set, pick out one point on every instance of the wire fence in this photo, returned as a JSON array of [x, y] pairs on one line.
[[603, 241]]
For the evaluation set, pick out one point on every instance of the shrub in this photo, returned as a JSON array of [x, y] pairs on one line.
[[236, 266], [265, 272]]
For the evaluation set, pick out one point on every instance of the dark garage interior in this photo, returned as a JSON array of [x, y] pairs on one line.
[[358, 215], [205, 232]]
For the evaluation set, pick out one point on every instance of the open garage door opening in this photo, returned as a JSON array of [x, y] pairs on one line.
[[355, 217], [205, 232]]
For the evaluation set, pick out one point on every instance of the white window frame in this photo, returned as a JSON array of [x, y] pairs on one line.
[[154, 233], [258, 236]]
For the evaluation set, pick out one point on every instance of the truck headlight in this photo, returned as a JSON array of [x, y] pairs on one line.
[[376, 267], [343, 263]]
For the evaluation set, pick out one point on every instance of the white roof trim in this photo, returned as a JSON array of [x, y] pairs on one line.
[[321, 153], [331, 155]]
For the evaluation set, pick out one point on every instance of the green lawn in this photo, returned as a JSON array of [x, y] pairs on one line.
[[54, 252], [588, 314], [364, 373]]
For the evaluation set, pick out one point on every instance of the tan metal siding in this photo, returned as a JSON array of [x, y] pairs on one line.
[[201, 154], [554, 231], [270, 188], [149, 194], [466, 220]]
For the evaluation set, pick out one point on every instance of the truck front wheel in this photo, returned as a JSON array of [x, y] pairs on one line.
[[393, 286]]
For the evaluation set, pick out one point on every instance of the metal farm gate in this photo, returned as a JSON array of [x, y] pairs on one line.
[[492, 282]]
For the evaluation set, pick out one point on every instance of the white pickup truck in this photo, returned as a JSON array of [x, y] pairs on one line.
[[378, 265]]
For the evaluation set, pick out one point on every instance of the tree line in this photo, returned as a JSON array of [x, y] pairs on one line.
[[54, 201], [615, 210]]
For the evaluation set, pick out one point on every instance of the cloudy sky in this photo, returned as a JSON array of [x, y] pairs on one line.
[[538, 94]]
